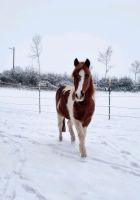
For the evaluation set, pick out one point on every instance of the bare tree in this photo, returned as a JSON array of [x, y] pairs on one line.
[[36, 49], [135, 68], [105, 58]]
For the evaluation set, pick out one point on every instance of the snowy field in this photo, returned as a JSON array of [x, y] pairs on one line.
[[34, 165]]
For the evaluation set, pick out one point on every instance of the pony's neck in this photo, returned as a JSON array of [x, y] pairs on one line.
[[90, 91]]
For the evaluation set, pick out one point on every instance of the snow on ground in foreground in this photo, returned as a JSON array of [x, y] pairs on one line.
[[34, 165]]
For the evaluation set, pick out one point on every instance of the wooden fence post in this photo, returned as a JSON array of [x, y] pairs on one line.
[[39, 91], [109, 90]]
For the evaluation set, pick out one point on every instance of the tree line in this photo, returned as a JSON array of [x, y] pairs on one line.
[[51, 81], [30, 77]]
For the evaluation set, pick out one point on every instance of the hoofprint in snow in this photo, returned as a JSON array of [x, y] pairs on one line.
[[34, 165]]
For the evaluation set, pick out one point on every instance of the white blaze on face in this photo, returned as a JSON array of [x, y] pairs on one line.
[[80, 86]]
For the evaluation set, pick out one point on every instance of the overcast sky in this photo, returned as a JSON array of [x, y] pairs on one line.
[[69, 29]]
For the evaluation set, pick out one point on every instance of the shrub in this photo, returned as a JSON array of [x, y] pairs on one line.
[[126, 84]]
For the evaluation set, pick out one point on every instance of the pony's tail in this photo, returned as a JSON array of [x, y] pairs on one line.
[[63, 126]]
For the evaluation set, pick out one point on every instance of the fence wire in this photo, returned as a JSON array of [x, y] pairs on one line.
[[54, 113], [48, 105]]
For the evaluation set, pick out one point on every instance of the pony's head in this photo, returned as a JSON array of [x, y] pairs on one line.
[[82, 78]]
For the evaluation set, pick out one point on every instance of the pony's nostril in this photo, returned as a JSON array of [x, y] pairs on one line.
[[82, 94], [76, 95]]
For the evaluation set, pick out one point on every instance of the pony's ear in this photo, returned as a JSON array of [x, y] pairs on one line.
[[76, 62], [87, 63]]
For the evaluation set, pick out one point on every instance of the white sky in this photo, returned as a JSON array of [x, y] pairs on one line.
[[69, 29]]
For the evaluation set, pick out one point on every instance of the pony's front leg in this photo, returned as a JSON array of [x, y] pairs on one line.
[[71, 130], [81, 134], [61, 126]]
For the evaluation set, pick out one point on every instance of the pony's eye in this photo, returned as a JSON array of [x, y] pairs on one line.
[[78, 77]]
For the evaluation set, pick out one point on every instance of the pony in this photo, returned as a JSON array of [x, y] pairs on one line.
[[76, 103]]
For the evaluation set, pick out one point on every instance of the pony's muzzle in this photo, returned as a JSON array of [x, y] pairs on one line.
[[79, 96]]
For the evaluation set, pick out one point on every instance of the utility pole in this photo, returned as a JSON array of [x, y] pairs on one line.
[[13, 49]]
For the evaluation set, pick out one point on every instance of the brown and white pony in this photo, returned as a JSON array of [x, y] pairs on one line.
[[76, 103]]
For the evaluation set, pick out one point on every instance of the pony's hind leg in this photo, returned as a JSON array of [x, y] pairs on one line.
[[71, 130], [61, 126]]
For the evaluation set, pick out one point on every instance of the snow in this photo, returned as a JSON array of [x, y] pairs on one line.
[[34, 165]]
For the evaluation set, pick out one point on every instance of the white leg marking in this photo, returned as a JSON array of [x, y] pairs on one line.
[[81, 134], [60, 125], [71, 130]]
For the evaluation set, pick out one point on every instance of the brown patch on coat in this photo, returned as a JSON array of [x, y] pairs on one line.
[[61, 102], [83, 111], [64, 126]]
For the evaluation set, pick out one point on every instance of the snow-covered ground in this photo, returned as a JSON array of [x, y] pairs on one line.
[[34, 165]]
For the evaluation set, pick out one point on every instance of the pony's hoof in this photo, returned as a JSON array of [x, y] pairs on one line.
[[72, 139], [60, 138], [83, 155]]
